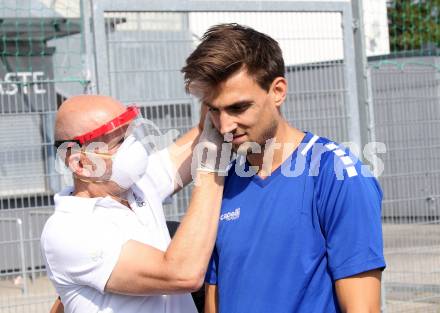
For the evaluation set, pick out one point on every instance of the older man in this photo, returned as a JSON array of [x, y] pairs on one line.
[[106, 247]]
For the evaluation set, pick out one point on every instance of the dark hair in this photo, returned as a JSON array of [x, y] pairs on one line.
[[227, 48]]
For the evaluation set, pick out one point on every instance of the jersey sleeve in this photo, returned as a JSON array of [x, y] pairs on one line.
[[85, 254], [160, 173], [211, 273], [348, 201]]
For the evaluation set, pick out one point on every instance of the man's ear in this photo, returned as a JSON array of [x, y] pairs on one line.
[[75, 160], [279, 90], [87, 164]]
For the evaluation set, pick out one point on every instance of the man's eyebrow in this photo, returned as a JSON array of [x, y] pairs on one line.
[[235, 104], [239, 103], [208, 104]]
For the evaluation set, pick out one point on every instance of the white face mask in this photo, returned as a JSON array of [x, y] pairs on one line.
[[129, 163]]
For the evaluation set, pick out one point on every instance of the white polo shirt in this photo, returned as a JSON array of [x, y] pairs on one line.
[[82, 240]]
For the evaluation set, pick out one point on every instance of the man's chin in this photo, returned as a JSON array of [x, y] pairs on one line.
[[246, 148]]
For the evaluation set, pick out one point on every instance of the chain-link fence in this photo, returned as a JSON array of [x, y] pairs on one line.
[[134, 52]]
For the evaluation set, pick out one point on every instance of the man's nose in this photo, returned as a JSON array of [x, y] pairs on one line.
[[227, 123]]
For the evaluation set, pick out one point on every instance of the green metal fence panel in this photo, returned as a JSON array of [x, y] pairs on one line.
[[41, 63]]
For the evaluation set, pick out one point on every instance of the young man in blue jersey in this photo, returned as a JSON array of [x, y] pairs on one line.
[[300, 225]]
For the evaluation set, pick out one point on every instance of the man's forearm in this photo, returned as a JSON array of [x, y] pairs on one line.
[[144, 270], [192, 245], [211, 298], [360, 293], [181, 157]]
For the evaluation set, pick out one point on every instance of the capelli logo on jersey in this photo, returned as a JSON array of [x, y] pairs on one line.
[[230, 216]]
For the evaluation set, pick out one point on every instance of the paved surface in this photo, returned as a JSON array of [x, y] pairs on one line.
[[412, 277], [39, 299]]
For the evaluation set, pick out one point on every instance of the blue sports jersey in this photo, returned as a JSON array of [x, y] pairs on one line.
[[283, 240]]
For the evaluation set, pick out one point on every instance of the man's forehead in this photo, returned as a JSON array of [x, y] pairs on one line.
[[235, 90], [80, 117], [228, 97], [239, 82]]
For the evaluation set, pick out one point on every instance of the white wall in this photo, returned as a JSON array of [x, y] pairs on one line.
[[306, 37]]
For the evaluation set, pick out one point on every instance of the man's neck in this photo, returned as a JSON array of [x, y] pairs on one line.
[[94, 190], [276, 150]]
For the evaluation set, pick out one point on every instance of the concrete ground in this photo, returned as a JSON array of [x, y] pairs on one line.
[[411, 280], [412, 277], [40, 296]]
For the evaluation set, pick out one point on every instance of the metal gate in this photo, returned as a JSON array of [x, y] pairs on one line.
[[141, 47], [405, 92]]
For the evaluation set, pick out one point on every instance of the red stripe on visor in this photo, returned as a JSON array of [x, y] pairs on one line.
[[130, 114]]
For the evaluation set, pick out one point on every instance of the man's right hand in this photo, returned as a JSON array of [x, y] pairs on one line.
[[207, 153]]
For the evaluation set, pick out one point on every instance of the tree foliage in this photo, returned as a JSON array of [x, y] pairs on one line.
[[413, 24]]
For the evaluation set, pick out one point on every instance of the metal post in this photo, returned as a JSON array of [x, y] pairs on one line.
[[31, 234], [23, 260], [383, 299], [88, 60], [361, 71], [19, 223], [100, 49], [31, 247], [351, 96], [370, 103], [371, 126]]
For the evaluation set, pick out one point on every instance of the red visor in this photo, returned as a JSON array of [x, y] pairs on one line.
[[127, 116]]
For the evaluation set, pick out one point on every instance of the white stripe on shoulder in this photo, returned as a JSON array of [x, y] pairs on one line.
[[351, 171], [339, 152], [309, 144], [331, 146], [346, 160]]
